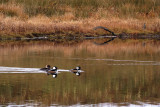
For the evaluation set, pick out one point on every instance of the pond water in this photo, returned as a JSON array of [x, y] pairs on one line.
[[117, 74]]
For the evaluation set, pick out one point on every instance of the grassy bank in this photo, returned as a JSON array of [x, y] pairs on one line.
[[26, 17]]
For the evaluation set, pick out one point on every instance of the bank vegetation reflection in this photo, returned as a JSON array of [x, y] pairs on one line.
[[99, 84]]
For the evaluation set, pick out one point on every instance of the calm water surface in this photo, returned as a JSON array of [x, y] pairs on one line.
[[113, 76]]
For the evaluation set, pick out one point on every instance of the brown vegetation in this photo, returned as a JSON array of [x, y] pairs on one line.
[[21, 18], [43, 24]]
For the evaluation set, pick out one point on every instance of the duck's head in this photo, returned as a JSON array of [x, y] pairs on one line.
[[54, 68], [48, 66], [78, 68]]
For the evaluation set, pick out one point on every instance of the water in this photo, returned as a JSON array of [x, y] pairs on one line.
[[114, 75]]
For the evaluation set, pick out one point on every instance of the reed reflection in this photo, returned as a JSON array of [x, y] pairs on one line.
[[113, 81]]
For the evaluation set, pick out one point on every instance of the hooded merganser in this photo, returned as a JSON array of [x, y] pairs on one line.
[[47, 68], [53, 72], [76, 70]]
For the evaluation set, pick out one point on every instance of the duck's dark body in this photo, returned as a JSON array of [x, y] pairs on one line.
[[51, 72], [76, 70], [47, 68]]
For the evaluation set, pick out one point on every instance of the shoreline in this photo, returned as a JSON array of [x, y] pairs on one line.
[[65, 36]]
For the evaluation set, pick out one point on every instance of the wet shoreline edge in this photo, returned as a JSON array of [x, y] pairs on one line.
[[36, 36]]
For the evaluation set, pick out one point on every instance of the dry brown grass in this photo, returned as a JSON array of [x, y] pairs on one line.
[[65, 23], [47, 16], [13, 9], [19, 23]]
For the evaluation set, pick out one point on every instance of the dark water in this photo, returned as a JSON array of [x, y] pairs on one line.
[[113, 76]]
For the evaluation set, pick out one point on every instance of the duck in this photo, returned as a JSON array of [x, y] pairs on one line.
[[47, 68], [53, 72], [76, 70]]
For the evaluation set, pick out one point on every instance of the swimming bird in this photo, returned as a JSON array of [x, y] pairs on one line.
[[47, 68], [53, 72], [76, 70]]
